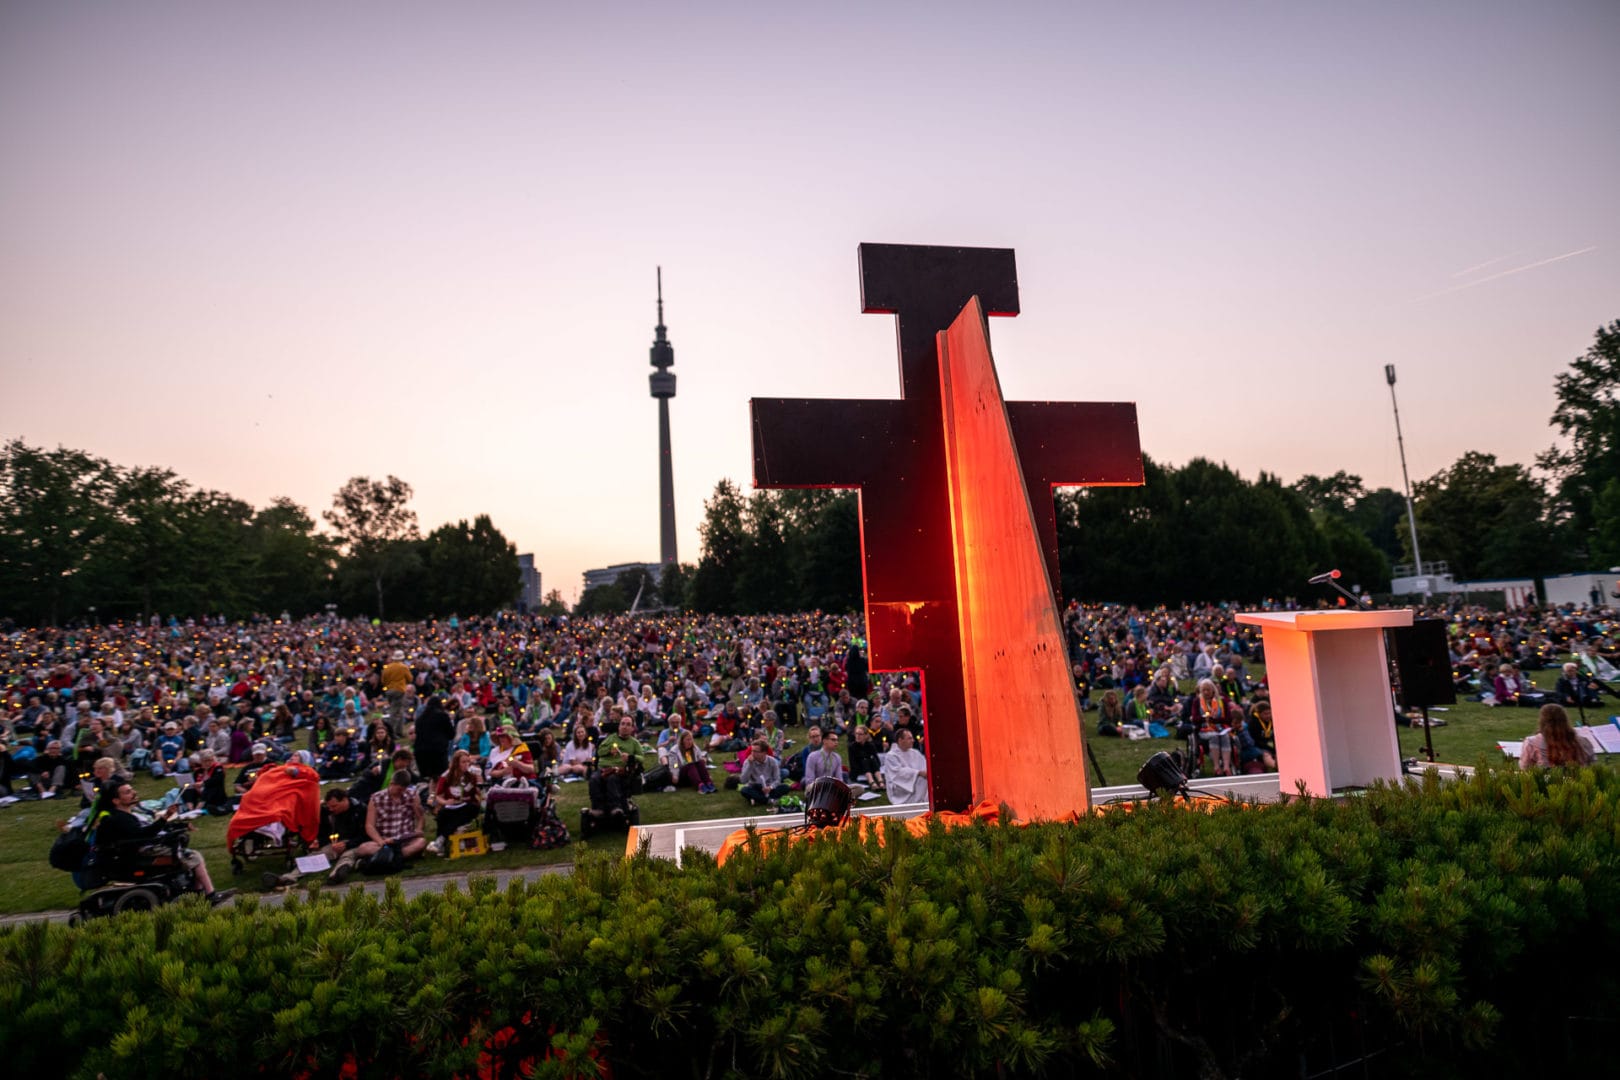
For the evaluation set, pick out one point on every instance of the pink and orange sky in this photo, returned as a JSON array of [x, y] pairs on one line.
[[273, 246]]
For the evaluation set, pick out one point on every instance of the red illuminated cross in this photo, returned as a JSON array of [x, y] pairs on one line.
[[893, 452]]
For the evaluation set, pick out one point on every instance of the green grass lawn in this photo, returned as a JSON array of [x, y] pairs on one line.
[[28, 883], [27, 829]]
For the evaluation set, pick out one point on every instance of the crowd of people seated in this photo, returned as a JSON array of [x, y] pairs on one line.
[[448, 710]]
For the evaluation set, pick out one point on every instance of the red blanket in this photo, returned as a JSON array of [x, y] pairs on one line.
[[290, 794]]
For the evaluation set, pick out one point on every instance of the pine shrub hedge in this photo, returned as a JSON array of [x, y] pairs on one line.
[[1452, 929]]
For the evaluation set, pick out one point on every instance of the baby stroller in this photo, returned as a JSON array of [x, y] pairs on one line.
[[134, 875], [278, 819], [611, 803], [518, 814]]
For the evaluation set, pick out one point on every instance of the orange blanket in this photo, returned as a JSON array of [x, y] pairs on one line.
[[289, 794]]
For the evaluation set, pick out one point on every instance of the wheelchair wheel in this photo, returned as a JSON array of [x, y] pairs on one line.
[[136, 900]]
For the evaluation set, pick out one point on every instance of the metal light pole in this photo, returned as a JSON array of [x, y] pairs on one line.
[[1411, 518]]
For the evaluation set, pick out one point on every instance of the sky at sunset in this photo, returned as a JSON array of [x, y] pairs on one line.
[[274, 246]]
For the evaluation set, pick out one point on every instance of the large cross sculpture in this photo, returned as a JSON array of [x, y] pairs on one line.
[[958, 527]]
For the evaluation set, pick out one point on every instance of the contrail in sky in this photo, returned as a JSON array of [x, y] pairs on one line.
[[1478, 267], [1506, 273]]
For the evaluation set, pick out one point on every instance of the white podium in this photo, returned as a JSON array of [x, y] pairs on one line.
[[1330, 696]]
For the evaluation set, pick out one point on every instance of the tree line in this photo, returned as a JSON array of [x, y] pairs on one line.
[[1202, 532], [83, 538]]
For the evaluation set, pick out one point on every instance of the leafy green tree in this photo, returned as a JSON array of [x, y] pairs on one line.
[[1588, 414], [825, 548], [635, 587], [292, 562], [1380, 516], [372, 520], [55, 515], [1123, 543], [148, 549], [1486, 520], [765, 580], [553, 604], [471, 569], [723, 537], [1606, 526], [215, 531], [675, 585], [1338, 493], [1350, 552]]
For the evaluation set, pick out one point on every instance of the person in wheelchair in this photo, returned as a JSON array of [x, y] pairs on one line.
[[123, 835], [618, 761]]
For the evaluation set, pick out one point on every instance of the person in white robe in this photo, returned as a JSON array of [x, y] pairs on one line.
[[905, 771]]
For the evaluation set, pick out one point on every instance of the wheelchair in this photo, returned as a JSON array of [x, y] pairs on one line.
[[612, 805], [136, 875]]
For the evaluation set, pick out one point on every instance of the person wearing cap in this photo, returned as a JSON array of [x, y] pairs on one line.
[[394, 816], [510, 758], [171, 752], [395, 678]]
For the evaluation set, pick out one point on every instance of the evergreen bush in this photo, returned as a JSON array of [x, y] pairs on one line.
[[1449, 929]]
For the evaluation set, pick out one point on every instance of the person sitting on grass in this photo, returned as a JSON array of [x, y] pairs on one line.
[[1575, 690], [1110, 715], [209, 777], [690, 765], [342, 756], [258, 758], [1555, 743], [1511, 688], [475, 739], [865, 767], [455, 800], [794, 766], [1138, 713], [118, 819], [171, 752], [343, 839], [825, 761], [577, 755], [547, 752], [774, 737], [670, 736], [394, 817], [51, 772], [761, 778]]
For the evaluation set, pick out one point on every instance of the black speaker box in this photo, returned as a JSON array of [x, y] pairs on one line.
[[1423, 664]]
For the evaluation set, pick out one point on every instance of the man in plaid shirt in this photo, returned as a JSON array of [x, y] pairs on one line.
[[394, 816]]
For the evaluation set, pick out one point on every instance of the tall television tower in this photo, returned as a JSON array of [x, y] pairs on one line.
[[662, 383]]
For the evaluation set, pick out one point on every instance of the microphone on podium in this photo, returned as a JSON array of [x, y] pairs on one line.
[[1331, 577]]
